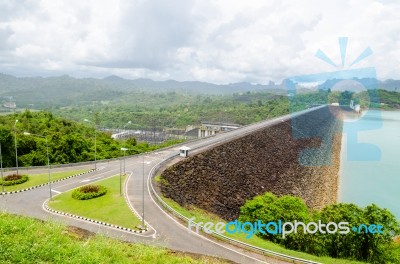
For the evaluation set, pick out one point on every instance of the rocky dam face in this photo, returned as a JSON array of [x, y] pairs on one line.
[[299, 157]]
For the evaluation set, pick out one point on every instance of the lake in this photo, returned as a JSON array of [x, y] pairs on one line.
[[371, 174]]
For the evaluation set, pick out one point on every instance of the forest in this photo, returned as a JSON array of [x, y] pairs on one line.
[[358, 244], [67, 141], [70, 139]]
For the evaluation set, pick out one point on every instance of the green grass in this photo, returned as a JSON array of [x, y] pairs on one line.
[[204, 216], [110, 208], [27, 240], [36, 179]]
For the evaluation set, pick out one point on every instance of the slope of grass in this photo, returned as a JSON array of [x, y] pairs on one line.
[[110, 208], [37, 179], [26, 240]]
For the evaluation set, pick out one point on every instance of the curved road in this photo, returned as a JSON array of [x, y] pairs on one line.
[[165, 230]]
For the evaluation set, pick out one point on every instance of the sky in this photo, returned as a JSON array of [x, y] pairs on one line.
[[217, 41]]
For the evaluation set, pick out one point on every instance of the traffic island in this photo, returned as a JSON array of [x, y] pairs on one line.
[[39, 180], [109, 209], [14, 179]]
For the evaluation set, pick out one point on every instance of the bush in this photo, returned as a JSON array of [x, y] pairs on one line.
[[14, 179], [370, 247], [89, 192]]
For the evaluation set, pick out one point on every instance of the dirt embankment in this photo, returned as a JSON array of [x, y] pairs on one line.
[[275, 159]]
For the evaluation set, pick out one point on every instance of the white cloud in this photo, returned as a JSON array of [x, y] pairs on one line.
[[216, 41]]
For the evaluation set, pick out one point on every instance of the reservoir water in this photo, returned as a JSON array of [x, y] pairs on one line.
[[371, 173]]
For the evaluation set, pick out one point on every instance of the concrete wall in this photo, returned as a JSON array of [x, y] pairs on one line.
[[221, 179]]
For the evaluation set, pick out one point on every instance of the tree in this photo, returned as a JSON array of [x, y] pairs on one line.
[[359, 242], [269, 208], [377, 248], [345, 97], [339, 245]]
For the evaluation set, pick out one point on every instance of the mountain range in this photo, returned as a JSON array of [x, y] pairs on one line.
[[66, 90]]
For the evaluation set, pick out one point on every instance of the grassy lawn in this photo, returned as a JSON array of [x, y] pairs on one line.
[[27, 240], [110, 208], [36, 179], [203, 216]]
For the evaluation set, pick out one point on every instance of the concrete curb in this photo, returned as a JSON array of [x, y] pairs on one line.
[[47, 208], [44, 184]]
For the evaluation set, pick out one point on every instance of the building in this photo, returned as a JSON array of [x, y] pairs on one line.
[[211, 128], [10, 105], [184, 151]]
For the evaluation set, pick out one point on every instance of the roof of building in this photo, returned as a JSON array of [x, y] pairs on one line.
[[219, 123], [184, 148]]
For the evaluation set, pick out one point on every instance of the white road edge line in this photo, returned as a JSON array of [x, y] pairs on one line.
[[182, 226], [133, 208]]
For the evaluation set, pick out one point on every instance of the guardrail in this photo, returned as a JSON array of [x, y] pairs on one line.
[[156, 168], [217, 235], [286, 117]]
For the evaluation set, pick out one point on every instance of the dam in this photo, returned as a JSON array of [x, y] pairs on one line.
[[299, 156]]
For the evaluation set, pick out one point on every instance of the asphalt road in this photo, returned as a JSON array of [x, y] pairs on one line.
[[164, 229]]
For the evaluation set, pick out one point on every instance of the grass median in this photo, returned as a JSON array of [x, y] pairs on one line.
[[110, 208], [37, 179]]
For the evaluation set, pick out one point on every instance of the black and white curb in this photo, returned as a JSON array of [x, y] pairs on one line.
[[44, 184], [93, 221]]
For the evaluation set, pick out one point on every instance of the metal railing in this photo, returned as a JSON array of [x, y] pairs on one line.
[[153, 173], [156, 168]]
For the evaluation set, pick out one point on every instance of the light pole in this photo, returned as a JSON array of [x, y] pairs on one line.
[[124, 147], [15, 142], [95, 143], [120, 171], [2, 178], [48, 159], [143, 192]]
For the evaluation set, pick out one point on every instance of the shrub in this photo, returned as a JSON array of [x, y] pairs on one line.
[[370, 247], [89, 192], [14, 179]]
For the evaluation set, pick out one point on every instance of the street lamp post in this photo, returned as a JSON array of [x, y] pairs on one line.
[[2, 178], [15, 142], [48, 159], [143, 191], [125, 149], [95, 143], [120, 177], [120, 171]]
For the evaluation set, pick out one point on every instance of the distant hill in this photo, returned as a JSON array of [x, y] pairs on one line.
[[65, 90], [390, 85], [39, 92], [367, 83]]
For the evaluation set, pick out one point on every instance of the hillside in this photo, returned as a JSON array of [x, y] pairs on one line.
[[42, 93], [61, 91], [68, 141], [26, 240]]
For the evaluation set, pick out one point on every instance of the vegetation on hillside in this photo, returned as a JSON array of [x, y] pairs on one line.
[[68, 141], [173, 110], [74, 142], [381, 99], [359, 244], [26, 240]]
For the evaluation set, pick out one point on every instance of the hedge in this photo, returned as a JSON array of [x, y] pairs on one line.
[[89, 192], [14, 179]]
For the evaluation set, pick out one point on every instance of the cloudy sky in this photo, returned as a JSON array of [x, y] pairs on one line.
[[219, 41]]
